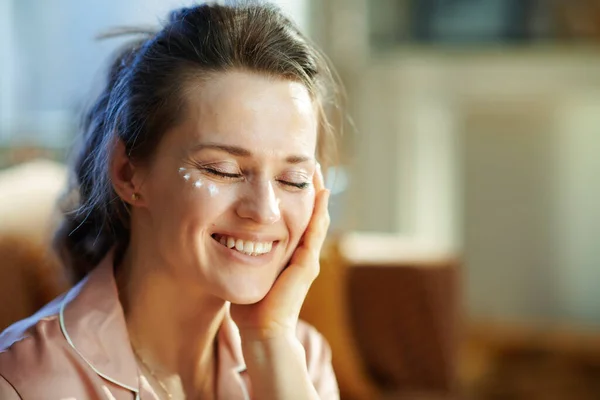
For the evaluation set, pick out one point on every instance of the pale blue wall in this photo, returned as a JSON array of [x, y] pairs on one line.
[[50, 60]]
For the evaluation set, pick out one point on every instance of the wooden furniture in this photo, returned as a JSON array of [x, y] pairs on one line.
[[30, 276], [389, 308], [528, 360]]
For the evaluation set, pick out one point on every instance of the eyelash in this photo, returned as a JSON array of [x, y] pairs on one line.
[[302, 185], [222, 174], [226, 175]]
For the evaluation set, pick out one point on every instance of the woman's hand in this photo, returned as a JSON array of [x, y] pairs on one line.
[[277, 313], [275, 358]]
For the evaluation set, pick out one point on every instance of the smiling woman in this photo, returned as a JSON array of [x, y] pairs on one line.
[[194, 224], [234, 151]]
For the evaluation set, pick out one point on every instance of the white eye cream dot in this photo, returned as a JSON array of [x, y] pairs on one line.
[[198, 183]]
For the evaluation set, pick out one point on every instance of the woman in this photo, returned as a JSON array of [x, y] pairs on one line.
[[200, 214]]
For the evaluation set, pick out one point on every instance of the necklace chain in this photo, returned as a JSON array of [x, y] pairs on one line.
[[146, 366]]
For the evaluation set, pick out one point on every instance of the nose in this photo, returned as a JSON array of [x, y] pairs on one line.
[[260, 204]]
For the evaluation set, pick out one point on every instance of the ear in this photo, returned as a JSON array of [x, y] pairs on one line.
[[126, 178]]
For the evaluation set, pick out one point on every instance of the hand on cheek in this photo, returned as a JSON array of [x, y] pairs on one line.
[[277, 313]]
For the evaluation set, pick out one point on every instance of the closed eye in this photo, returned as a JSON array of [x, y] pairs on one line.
[[215, 172], [302, 185], [232, 176]]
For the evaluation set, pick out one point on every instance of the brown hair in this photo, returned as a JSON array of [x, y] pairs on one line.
[[143, 98]]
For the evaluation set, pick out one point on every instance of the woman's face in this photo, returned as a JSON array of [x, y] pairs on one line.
[[229, 192]]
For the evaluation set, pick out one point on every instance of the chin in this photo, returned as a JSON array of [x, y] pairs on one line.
[[245, 292], [245, 298]]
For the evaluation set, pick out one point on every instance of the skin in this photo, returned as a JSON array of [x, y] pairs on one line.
[[262, 133]]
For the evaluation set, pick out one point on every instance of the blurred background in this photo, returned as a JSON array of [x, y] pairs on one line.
[[463, 259]]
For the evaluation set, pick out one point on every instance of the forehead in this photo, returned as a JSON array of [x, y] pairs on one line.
[[260, 113]]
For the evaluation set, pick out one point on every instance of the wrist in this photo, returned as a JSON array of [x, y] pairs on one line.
[[271, 344], [267, 333], [277, 365]]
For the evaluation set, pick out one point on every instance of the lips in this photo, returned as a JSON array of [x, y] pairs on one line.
[[248, 247]]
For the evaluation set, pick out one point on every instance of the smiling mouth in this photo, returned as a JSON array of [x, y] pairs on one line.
[[244, 246]]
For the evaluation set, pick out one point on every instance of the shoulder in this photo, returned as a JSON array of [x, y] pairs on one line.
[[33, 328], [318, 360], [28, 346]]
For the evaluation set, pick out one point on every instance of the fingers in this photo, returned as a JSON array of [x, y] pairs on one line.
[[318, 180], [318, 226], [307, 254], [319, 221]]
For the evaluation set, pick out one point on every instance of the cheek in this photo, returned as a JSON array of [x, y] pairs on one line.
[[188, 198], [299, 208]]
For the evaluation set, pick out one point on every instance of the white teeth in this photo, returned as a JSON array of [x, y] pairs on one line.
[[246, 247], [239, 245], [230, 242]]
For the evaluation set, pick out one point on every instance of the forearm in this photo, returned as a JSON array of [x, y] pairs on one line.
[[277, 367]]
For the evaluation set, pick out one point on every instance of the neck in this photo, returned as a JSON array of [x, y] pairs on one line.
[[172, 328]]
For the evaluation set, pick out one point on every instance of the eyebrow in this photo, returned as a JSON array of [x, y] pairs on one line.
[[241, 152]]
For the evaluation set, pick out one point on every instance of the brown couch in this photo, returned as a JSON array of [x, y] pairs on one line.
[[389, 307], [30, 275]]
